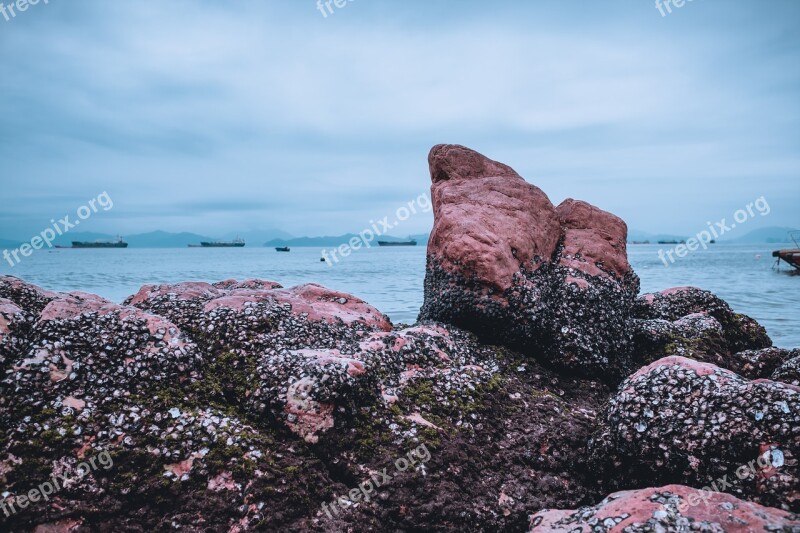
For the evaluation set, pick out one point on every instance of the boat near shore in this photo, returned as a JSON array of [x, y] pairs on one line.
[[790, 256], [282, 249]]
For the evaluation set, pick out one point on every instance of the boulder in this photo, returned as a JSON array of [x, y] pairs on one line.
[[505, 263], [739, 331], [682, 421], [304, 355], [762, 363], [667, 508]]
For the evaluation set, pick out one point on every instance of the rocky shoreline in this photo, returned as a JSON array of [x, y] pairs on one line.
[[550, 395]]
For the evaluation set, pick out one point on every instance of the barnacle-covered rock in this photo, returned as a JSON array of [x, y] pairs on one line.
[[298, 347], [789, 371], [14, 325], [29, 297], [761, 363], [681, 421], [89, 349], [188, 412], [739, 331], [668, 508]]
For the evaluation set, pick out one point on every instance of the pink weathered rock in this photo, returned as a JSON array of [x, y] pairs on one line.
[[8, 310], [30, 298], [62, 526], [306, 416], [487, 220], [504, 263], [72, 305], [317, 302], [593, 237], [324, 304], [80, 344], [187, 290], [665, 509]]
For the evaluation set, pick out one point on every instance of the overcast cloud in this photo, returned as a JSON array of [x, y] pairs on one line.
[[217, 116]]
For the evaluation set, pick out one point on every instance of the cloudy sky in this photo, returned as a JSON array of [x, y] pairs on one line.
[[218, 116]]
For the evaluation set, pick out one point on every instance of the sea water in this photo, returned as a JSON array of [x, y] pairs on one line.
[[391, 278]]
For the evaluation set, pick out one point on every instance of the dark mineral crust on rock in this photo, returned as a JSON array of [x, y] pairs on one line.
[[245, 406]]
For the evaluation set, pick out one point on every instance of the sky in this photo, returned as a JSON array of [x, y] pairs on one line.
[[220, 116]]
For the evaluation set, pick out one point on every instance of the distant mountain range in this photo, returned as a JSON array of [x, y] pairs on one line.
[[156, 239], [165, 239], [635, 235], [772, 234], [7, 244], [768, 235]]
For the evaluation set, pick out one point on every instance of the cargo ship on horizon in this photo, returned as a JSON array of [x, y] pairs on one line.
[[119, 243], [235, 243], [412, 242]]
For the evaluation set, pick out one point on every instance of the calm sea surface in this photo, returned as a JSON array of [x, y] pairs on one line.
[[391, 278]]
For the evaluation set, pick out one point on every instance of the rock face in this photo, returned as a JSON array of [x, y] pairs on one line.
[[669, 508], [505, 263], [681, 421]]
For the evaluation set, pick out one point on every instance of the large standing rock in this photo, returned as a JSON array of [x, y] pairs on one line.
[[669, 508], [555, 282], [506, 264], [681, 421]]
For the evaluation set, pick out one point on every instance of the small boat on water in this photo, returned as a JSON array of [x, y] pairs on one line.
[[282, 249], [119, 243], [412, 242], [790, 255]]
